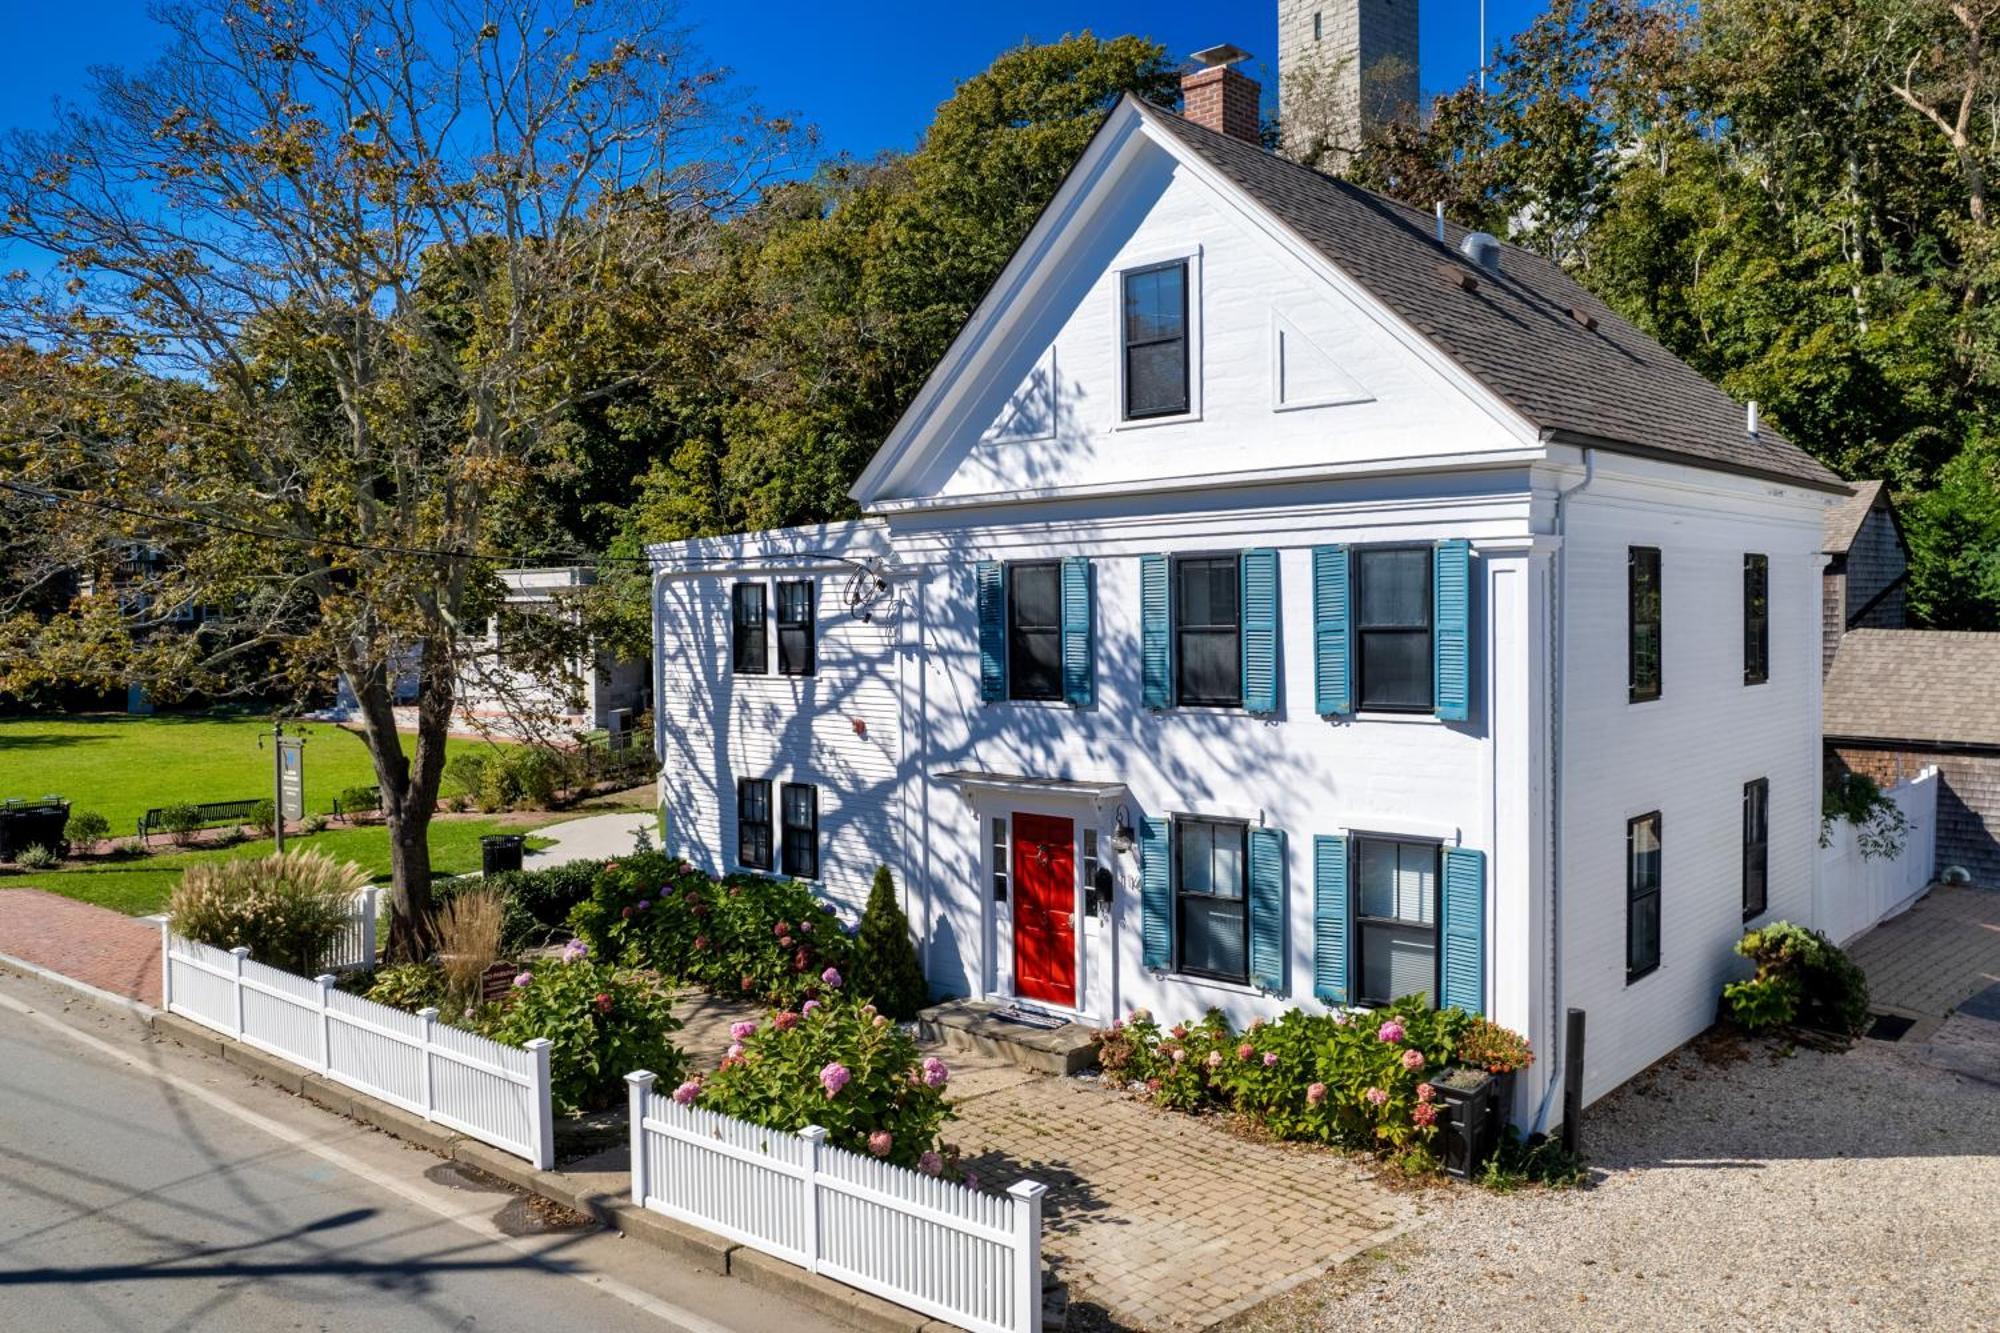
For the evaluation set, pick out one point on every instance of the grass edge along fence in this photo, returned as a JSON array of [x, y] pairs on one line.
[[969, 1258], [495, 1093]]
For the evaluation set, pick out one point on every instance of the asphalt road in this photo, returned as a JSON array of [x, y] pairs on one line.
[[143, 1187]]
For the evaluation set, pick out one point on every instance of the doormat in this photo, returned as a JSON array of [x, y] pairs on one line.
[[1890, 1027], [1028, 1018]]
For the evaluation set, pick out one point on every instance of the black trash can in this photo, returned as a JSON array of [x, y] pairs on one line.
[[500, 852], [25, 824], [1470, 1120]]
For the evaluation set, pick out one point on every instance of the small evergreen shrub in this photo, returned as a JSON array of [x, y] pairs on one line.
[[410, 986], [537, 903], [602, 1023], [358, 801], [287, 910], [181, 822], [1803, 977], [312, 824], [886, 969], [86, 829], [264, 818], [36, 856]]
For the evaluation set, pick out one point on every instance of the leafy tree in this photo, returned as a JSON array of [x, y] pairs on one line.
[[886, 969]]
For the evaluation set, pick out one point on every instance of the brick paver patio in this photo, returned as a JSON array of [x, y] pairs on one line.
[[1935, 956], [106, 949]]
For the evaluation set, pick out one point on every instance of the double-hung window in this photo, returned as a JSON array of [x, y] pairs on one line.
[[1642, 896], [1208, 631], [1756, 619], [1396, 919], [1034, 630], [1392, 628], [1211, 868], [1156, 341], [753, 823], [749, 633], [795, 627], [801, 846], [1642, 580], [1756, 847]]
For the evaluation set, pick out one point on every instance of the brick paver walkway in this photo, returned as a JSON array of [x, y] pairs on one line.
[[107, 949], [1935, 956]]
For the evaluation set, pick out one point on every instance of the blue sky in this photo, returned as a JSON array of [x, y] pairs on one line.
[[868, 75]]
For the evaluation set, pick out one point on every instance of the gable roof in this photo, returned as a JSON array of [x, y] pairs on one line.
[[1926, 686], [1518, 333], [1842, 523]]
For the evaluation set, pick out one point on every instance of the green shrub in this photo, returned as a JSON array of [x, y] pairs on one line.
[[264, 818], [886, 969], [86, 829], [410, 986], [358, 801], [312, 824], [602, 1023], [286, 910], [538, 902], [1537, 1161], [1802, 976], [1880, 826], [463, 773], [839, 1065], [35, 856], [181, 822], [535, 774]]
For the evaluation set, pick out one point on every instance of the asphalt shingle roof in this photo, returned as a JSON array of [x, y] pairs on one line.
[[1526, 333], [1919, 685], [1842, 522]]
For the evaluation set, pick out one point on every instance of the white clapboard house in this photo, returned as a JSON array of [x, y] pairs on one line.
[[1275, 597]]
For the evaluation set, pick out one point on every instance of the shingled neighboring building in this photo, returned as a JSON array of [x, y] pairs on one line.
[[1867, 567]]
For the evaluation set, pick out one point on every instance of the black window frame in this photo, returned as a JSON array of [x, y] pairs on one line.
[[1017, 660], [809, 856], [1756, 618], [1637, 559], [1356, 951], [1357, 562], [1180, 630], [1756, 848], [796, 631], [1127, 344], [1635, 967], [746, 823], [744, 637], [1181, 897]]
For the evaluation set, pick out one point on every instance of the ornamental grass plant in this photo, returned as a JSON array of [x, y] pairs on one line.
[[287, 910]]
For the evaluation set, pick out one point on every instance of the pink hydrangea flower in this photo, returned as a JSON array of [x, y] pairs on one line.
[[831, 977], [1425, 1092], [1391, 1031], [1413, 1059], [1179, 1055], [782, 929], [523, 978], [808, 1006], [625, 913], [1270, 1059], [741, 1031], [806, 926], [1376, 1096], [1245, 1051], [1214, 1059], [1424, 1113], [575, 951], [687, 1092], [833, 1078], [735, 1051], [934, 1072], [603, 1001], [785, 1021], [880, 1142], [1315, 1094], [930, 1163]]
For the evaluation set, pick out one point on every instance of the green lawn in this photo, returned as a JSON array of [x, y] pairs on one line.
[[141, 885], [120, 765]]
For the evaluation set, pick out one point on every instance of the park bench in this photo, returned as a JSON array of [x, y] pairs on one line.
[[213, 813]]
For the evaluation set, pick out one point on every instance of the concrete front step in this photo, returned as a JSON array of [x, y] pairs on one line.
[[974, 1026]]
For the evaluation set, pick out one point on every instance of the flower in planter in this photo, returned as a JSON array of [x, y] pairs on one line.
[[1391, 1031], [1270, 1059], [833, 1078], [523, 978], [687, 1092], [1315, 1094], [831, 977], [1413, 1059], [1424, 1113], [1425, 1092], [930, 1163], [742, 1030], [1376, 1097], [935, 1075], [880, 1142]]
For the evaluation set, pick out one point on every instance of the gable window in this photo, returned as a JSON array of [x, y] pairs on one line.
[[1211, 867], [1642, 896], [750, 634], [1756, 847], [1756, 619], [1642, 580], [801, 846], [1156, 341], [753, 823], [1034, 630], [795, 627], [1208, 631], [1392, 627], [1396, 935]]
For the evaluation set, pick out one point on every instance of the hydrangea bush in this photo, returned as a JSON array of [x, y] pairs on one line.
[[602, 1023]]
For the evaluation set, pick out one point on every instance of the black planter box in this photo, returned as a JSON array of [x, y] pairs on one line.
[[1474, 1107], [500, 852], [25, 824]]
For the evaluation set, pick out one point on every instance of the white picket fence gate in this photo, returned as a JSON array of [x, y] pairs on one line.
[[496, 1093], [1856, 892], [354, 948], [970, 1259]]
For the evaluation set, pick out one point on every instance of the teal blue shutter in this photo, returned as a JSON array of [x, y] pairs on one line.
[[1156, 644], [1464, 914], [1330, 910], [1332, 678], [1078, 683], [1267, 909], [1259, 577], [1156, 895], [1451, 589], [992, 631]]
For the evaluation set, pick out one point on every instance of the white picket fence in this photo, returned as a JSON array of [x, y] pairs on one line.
[[354, 948], [1856, 892], [495, 1093], [970, 1259]]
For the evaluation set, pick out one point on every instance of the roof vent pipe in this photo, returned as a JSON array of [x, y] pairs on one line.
[[1483, 249], [1753, 419], [1440, 216]]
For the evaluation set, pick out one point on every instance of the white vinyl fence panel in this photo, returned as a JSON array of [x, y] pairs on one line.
[[1855, 892], [970, 1259], [354, 948], [496, 1093]]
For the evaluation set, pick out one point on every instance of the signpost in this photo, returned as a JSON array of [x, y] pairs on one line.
[[289, 780]]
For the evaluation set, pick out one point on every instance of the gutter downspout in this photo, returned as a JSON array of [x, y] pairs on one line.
[[1560, 632]]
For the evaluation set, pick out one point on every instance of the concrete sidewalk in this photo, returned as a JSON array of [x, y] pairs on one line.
[[592, 838]]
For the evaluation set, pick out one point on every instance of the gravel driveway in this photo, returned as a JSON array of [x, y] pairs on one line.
[[1733, 1187]]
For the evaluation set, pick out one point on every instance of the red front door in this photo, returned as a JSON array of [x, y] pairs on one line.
[[1044, 900]]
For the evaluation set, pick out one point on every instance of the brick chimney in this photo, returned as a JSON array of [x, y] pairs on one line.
[[1221, 97]]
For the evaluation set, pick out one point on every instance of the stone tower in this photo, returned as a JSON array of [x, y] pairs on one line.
[[1345, 69]]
